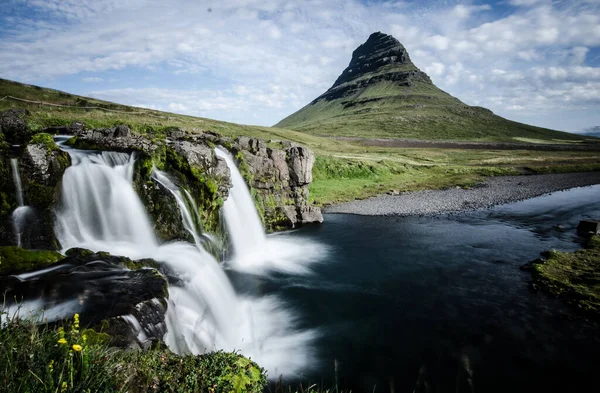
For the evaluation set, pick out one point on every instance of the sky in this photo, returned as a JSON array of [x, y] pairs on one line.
[[256, 62]]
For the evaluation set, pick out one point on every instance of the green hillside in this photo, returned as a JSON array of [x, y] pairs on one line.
[[382, 94], [344, 170]]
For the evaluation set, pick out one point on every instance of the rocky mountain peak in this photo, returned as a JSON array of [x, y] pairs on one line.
[[378, 51]]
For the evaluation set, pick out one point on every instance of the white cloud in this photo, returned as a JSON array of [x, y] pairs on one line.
[[267, 58]]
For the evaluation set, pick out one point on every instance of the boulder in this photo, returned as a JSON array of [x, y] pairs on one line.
[[589, 227], [13, 125], [300, 162], [122, 131]]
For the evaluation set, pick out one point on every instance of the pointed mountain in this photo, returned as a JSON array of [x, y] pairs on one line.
[[383, 94]]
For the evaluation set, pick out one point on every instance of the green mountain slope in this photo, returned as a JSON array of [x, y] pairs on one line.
[[383, 94]]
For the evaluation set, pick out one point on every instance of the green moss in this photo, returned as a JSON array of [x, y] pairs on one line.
[[159, 371], [71, 141], [46, 140], [573, 277], [201, 185], [15, 260]]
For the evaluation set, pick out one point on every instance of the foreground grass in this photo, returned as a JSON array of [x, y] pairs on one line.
[[65, 359], [343, 171], [573, 277]]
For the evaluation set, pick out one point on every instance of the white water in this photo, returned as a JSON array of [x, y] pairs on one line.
[[253, 251], [22, 212], [186, 216], [101, 211], [241, 218], [14, 163]]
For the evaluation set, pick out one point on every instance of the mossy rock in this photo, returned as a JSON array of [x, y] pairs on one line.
[[16, 260], [163, 371], [573, 277], [45, 139]]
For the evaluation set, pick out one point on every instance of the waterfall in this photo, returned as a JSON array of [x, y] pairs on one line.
[[14, 163], [22, 213], [186, 217], [100, 211], [253, 251], [241, 218]]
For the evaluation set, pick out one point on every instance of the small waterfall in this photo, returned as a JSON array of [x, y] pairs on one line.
[[101, 211], [186, 217], [14, 163], [254, 252], [22, 213], [241, 218]]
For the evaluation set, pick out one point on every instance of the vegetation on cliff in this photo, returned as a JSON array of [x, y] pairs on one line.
[[573, 277], [69, 358]]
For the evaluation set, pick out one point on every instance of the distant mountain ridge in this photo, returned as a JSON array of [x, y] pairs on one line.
[[382, 93], [592, 131]]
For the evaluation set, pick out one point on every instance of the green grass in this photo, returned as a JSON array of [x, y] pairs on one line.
[[573, 277], [365, 170], [68, 358], [385, 109]]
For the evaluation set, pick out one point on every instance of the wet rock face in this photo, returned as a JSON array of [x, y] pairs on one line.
[[281, 177], [45, 166], [42, 165], [103, 284]]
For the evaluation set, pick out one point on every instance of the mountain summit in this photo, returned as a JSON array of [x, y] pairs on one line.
[[383, 94]]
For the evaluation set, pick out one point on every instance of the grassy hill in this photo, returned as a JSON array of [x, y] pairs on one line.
[[382, 94], [344, 170]]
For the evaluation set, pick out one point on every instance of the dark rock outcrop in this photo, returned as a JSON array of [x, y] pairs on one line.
[[42, 166], [105, 286], [13, 124]]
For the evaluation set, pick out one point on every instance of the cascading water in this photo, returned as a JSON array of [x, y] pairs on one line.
[[101, 211], [14, 163], [253, 251], [22, 212], [186, 216], [242, 219]]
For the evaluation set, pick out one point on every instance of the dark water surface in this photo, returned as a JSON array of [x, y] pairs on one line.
[[439, 304]]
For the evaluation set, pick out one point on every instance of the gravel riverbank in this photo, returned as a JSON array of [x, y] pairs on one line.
[[494, 191]]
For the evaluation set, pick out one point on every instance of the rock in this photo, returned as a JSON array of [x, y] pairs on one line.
[[256, 146], [300, 162], [197, 155], [122, 131], [589, 227], [13, 125], [175, 133], [102, 284], [311, 215], [44, 165]]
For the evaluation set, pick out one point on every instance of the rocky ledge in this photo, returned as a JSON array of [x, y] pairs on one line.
[[278, 174]]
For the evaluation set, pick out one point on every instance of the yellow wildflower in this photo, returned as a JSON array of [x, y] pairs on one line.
[[64, 387], [77, 348], [84, 338], [62, 341]]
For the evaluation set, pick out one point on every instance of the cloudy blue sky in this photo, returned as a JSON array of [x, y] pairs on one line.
[[257, 61]]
